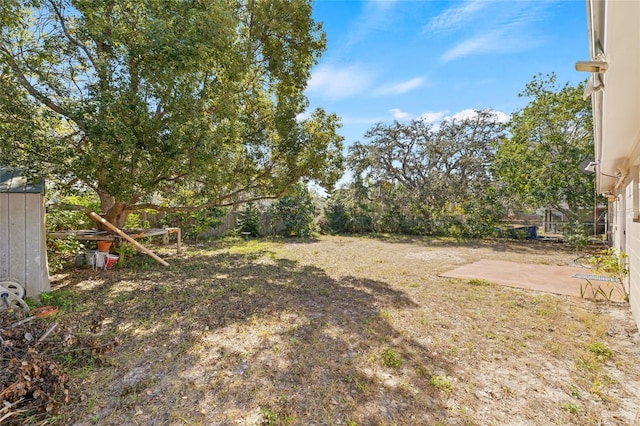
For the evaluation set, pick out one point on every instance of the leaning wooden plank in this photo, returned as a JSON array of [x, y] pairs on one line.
[[137, 245]]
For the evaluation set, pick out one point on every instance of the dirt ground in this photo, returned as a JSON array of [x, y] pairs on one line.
[[343, 331]]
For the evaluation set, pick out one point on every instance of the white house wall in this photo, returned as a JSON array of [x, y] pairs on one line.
[[634, 272], [628, 240], [614, 37]]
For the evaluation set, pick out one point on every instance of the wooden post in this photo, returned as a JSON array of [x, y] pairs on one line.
[[98, 219]]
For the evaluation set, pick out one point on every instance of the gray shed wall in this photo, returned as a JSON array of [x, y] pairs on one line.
[[23, 249]]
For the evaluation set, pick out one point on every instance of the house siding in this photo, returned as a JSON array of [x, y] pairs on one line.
[[625, 232], [614, 38], [632, 247]]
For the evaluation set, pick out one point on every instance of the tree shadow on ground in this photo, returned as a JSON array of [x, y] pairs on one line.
[[496, 244], [244, 339]]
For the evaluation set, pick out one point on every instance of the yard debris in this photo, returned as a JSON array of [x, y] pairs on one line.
[[32, 379]]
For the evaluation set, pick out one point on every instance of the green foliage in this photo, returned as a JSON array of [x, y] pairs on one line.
[[249, 220], [598, 289], [613, 264], [134, 221], [390, 358], [297, 212], [342, 213], [416, 178], [538, 165], [442, 383], [600, 351], [269, 417], [570, 408], [277, 416], [63, 299], [165, 105], [576, 236], [193, 224], [61, 252], [478, 282], [59, 219], [521, 234], [478, 217], [126, 254], [338, 218]]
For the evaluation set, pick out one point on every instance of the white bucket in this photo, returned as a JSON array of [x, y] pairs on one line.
[[101, 257], [90, 256]]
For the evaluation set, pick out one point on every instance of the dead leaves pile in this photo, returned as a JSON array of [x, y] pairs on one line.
[[32, 380]]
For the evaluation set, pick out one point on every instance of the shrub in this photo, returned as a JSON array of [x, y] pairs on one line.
[[576, 236], [296, 211], [193, 224], [249, 220], [337, 217]]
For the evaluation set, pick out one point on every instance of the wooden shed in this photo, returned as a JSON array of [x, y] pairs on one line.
[[23, 244]]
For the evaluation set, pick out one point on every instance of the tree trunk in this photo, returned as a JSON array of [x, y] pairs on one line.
[[117, 215], [114, 212]]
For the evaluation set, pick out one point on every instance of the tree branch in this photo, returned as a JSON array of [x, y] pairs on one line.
[[32, 90], [214, 203], [72, 39]]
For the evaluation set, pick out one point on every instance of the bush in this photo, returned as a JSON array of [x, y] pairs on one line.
[[576, 236], [61, 252], [249, 220], [296, 211], [193, 224], [337, 217], [481, 217]]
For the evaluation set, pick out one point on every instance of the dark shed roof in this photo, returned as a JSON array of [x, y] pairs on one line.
[[13, 180]]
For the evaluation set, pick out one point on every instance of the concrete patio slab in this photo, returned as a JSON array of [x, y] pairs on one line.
[[546, 278]]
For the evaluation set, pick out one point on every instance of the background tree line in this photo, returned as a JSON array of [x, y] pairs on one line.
[[189, 107], [461, 177]]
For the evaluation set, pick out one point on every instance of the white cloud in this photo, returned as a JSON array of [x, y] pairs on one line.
[[491, 26], [471, 113], [456, 16], [507, 39], [400, 88], [432, 117], [376, 16], [463, 115], [339, 83], [400, 115], [478, 44], [501, 116]]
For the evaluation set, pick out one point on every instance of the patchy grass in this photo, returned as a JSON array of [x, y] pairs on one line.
[[345, 331]]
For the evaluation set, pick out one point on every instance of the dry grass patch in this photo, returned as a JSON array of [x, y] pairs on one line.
[[348, 331]]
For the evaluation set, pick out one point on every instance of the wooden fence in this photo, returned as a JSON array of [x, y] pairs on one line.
[[227, 225]]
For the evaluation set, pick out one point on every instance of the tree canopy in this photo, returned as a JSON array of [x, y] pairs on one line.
[[423, 175], [549, 138], [165, 103]]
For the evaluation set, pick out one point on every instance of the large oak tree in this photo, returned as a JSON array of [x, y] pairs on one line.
[[424, 171], [539, 164], [170, 104]]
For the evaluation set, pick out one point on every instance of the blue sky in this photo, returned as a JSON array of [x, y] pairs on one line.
[[403, 59]]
